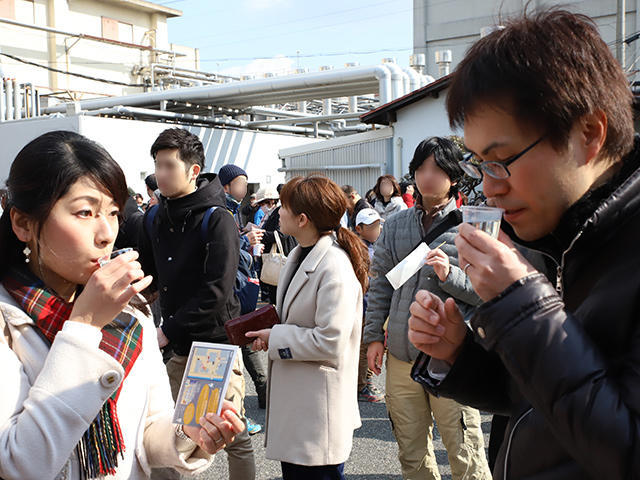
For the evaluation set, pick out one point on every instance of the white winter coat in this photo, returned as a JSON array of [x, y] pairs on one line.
[[50, 395]]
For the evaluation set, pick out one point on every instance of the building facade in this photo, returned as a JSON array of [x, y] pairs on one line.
[[456, 24], [114, 46]]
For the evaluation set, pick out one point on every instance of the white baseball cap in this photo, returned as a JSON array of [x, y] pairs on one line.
[[367, 216]]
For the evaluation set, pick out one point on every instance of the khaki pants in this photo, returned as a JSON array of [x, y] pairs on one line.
[[242, 464], [412, 411]]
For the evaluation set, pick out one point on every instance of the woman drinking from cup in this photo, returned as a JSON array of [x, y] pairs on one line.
[[83, 383]]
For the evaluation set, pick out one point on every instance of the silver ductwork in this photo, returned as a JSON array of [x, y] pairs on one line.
[[201, 119], [418, 62], [443, 60], [290, 88]]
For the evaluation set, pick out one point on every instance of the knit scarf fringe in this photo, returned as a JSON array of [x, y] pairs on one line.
[[101, 444]]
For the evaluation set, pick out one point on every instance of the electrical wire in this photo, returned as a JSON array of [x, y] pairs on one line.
[[308, 55], [80, 75]]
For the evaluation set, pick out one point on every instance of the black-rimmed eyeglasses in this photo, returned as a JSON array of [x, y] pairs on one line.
[[498, 170]]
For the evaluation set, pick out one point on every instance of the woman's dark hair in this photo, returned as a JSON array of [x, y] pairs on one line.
[[445, 153], [394, 182], [549, 69], [190, 149], [300, 195], [43, 172], [404, 186]]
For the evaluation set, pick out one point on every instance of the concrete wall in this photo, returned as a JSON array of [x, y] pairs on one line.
[[455, 24], [423, 119], [129, 141]]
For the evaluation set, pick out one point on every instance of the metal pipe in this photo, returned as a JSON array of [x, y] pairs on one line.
[[361, 127], [316, 93], [331, 167], [34, 110], [176, 72], [162, 66], [397, 79], [186, 117], [326, 106], [8, 90], [426, 80], [38, 111], [414, 79], [17, 108], [305, 119], [275, 111], [2, 101], [397, 157], [353, 104], [341, 80]]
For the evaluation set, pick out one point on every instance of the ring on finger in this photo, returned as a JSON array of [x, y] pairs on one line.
[[466, 267]]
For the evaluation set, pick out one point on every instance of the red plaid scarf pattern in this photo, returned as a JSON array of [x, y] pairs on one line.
[[122, 339]]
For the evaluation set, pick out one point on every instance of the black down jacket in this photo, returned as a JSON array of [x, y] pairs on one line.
[[564, 363]]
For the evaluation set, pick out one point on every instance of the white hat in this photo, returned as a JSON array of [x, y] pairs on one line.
[[266, 193], [367, 216]]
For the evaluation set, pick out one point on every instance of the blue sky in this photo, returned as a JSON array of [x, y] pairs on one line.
[[256, 36]]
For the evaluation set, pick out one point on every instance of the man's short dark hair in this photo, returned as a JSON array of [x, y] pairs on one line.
[[445, 153], [151, 182], [551, 68], [190, 149], [348, 190]]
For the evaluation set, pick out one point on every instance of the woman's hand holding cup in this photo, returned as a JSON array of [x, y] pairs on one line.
[[109, 290]]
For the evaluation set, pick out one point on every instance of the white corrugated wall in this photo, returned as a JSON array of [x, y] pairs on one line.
[[356, 163]]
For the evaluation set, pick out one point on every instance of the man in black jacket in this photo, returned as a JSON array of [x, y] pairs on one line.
[[546, 111], [194, 266]]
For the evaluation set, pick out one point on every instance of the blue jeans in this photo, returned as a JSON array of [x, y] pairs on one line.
[[291, 471]]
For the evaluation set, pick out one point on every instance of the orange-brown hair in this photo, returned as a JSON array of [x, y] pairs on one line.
[[324, 204]]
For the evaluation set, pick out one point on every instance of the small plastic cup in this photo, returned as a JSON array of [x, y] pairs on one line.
[[483, 218], [257, 249], [104, 260]]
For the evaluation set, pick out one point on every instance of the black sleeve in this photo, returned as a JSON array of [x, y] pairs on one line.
[[590, 405], [193, 319], [145, 249], [477, 379]]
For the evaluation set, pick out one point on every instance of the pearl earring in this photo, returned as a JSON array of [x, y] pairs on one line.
[[27, 252]]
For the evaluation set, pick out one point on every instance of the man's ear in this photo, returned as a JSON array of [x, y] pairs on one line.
[[194, 171], [23, 226], [593, 130], [226, 188]]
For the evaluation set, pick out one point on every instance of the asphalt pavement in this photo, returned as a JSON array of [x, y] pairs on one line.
[[374, 455]]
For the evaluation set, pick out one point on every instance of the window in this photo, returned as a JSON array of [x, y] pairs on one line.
[[109, 28], [8, 9], [115, 30]]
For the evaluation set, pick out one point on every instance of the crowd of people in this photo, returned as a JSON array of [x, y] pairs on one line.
[[538, 326]]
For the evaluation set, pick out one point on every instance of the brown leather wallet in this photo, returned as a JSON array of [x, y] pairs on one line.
[[265, 317]]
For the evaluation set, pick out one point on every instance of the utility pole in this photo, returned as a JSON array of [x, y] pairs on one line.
[[620, 32]]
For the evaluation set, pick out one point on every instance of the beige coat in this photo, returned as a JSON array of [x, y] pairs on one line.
[[312, 406]]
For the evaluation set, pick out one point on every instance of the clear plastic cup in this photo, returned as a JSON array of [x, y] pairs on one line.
[[483, 218], [102, 261]]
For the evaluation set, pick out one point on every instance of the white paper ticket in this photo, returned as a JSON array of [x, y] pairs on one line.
[[408, 267]]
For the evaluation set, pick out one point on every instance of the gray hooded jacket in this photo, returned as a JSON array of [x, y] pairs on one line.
[[402, 232]]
